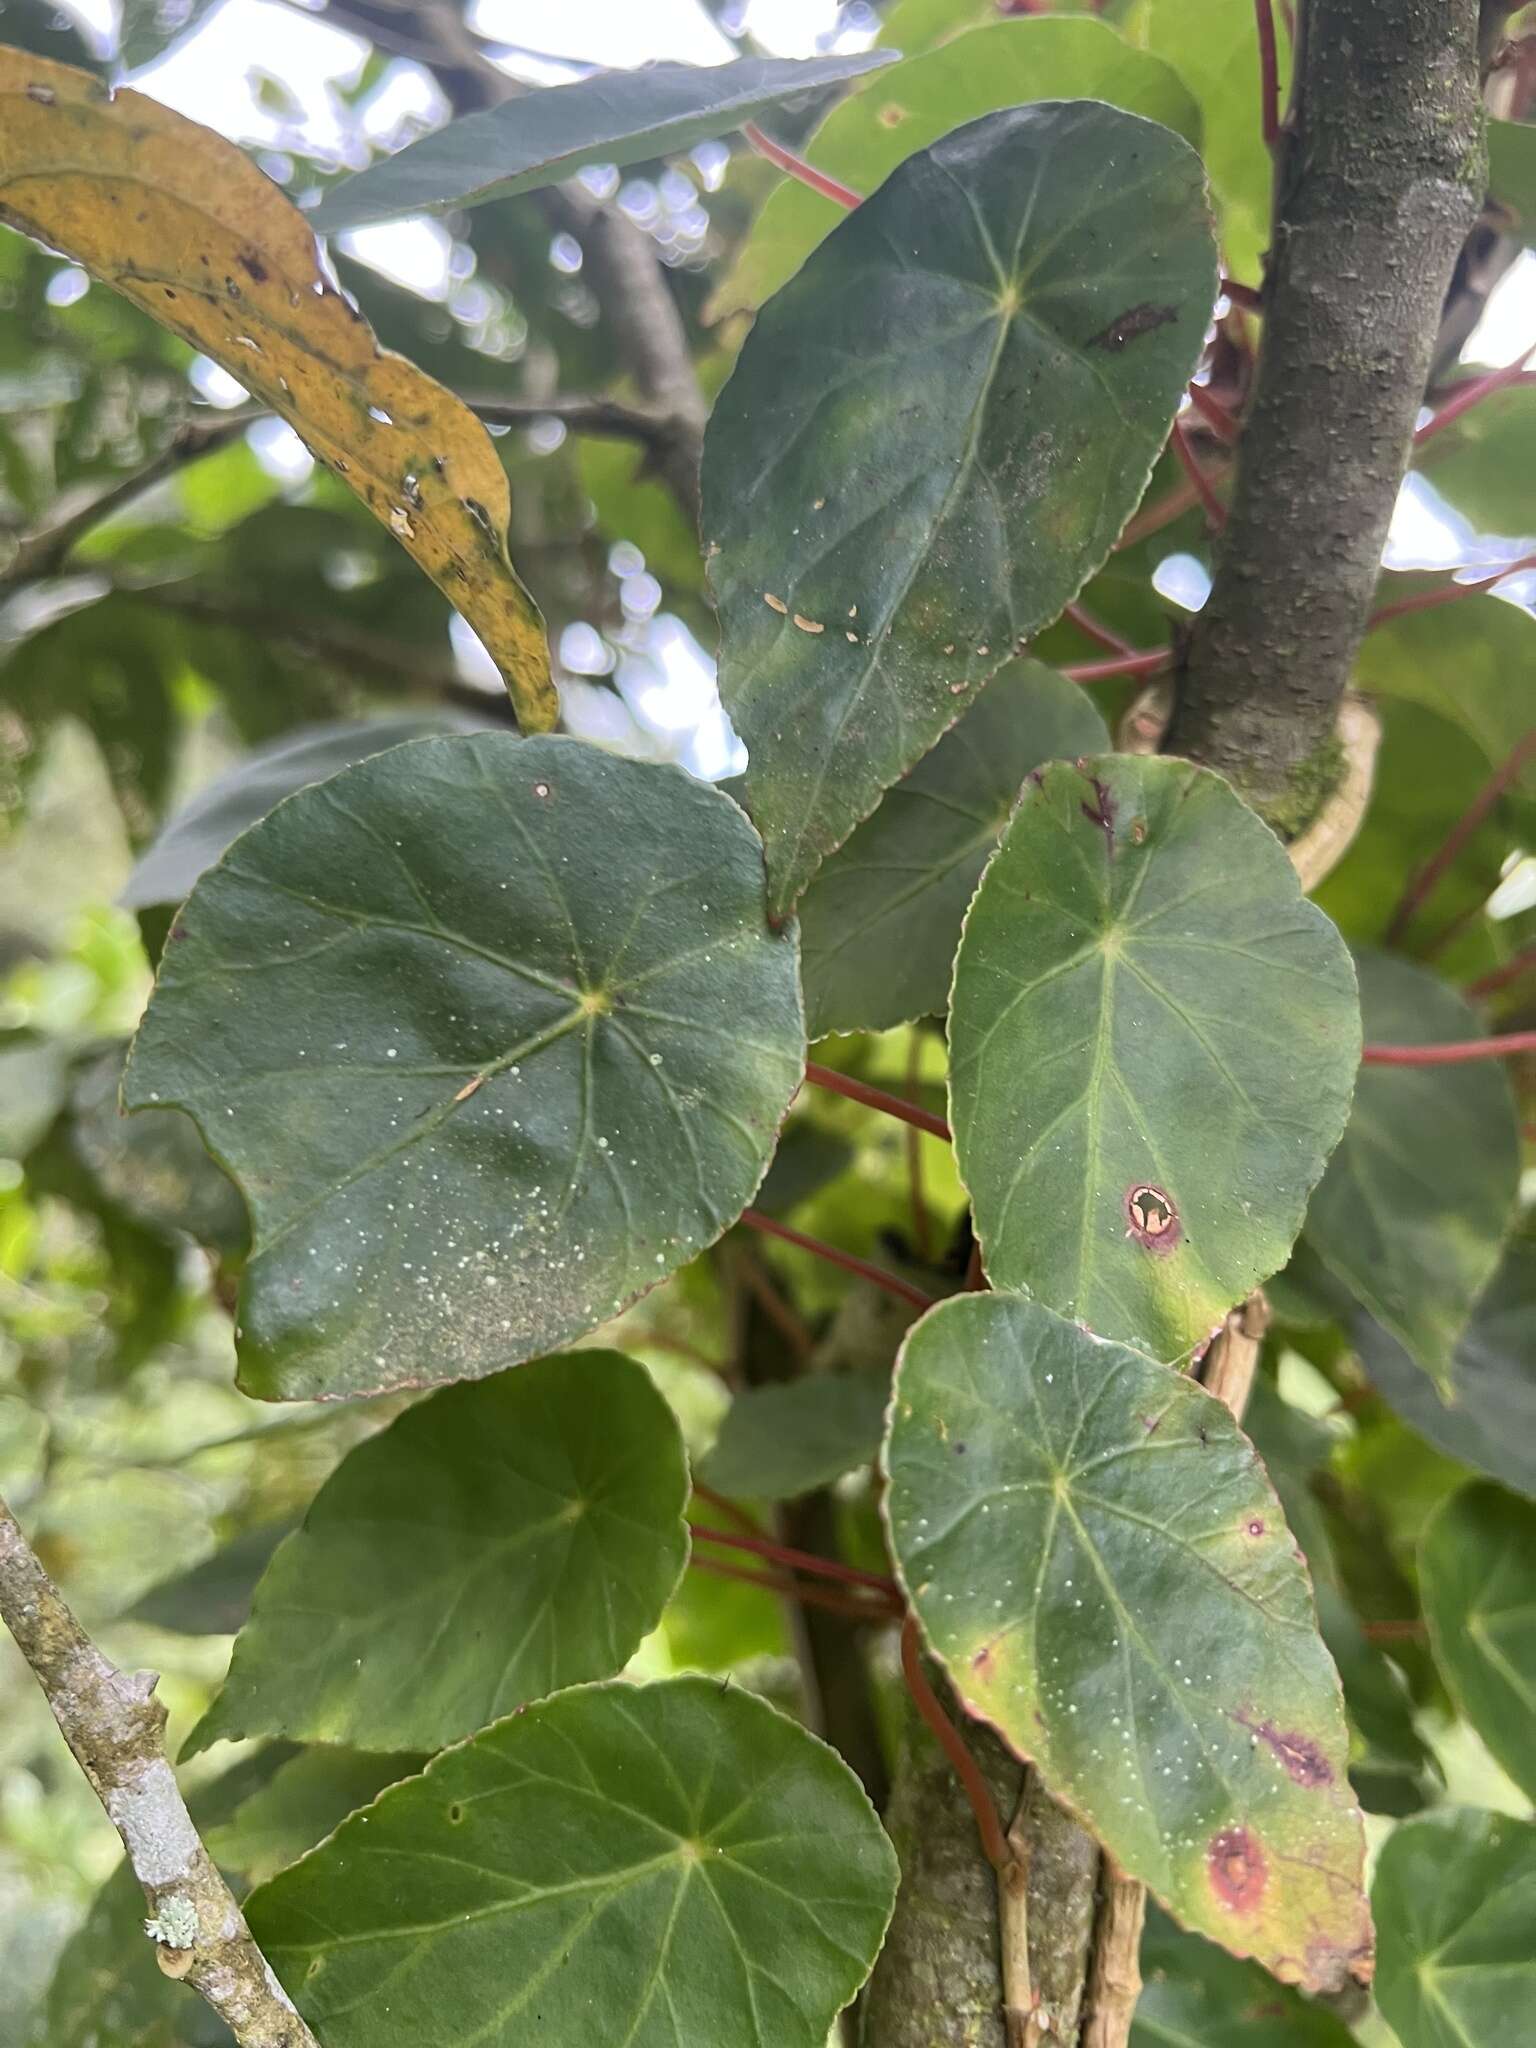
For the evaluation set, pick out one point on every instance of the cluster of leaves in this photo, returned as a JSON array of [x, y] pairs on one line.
[[499, 1037]]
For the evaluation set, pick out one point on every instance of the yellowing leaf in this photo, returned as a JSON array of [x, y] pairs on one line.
[[180, 222]]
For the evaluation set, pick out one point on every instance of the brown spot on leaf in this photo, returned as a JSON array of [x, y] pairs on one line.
[[1134, 322], [1303, 1760], [253, 266], [1238, 1869], [1101, 811], [1151, 1218], [981, 1663], [1255, 1527]]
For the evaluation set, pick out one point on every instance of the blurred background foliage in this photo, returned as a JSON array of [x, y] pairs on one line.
[[156, 666]]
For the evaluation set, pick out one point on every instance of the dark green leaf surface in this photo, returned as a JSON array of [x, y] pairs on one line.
[[1455, 1900], [494, 1035], [200, 832], [671, 1866], [1094, 1551], [1003, 64], [497, 1542], [888, 525], [1491, 1424], [881, 920], [304, 1800], [1477, 1577], [155, 1166], [1194, 1995], [780, 1441], [212, 1598], [1144, 1001], [613, 117], [1412, 1214]]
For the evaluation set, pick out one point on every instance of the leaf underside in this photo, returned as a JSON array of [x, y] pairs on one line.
[[493, 1034], [1094, 1551], [888, 524]]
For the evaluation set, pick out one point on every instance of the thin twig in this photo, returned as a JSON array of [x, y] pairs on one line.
[[922, 1234], [44, 552], [786, 1319], [836, 1256], [1423, 884], [1269, 74], [800, 1560], [1214, 413], [1447, 593], [1172, 505], [877, 1098], [1146, 664], [1096, 629], [797, 168], [732, 1510], [1500, 977], [1215, 511], [989, 1826], [785, 1588], [1471, 393], [604, 417], [1114, 1984], [1448, 1055], [115, 1728]]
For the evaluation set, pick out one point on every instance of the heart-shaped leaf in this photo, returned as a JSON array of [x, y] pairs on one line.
[[1003, 64], [1491, 1424], [779, 1441], [1412, 1213], [1092, 1547], [184, 225], [672, 1866], [494, 1035], [301, 1803], [880, 922], [1455, 1899], [612, 117], [497, 1542], [1477, 1578], [193, 839], [156, 1168], [889, 526], [1152, 1042]]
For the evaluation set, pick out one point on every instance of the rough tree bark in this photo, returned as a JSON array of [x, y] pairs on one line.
[[1380, 176]]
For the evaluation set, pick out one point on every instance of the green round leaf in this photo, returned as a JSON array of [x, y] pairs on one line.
[[497, 1542], [881, 920], [1491, 1424], [1195, 1996], [1003, 64], [155, 1166], [887, 529], [1093, 1549], [780, 1441], [538, 138], [1412, 1213], [199, 832], [672, 1866], [494, 1035], [1152, 1042], [1477, 1578], [1455, 1900]]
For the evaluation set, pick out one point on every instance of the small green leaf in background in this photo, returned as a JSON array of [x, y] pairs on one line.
[[612, 117], [496, 1542], [1095, 1552], [1194, 1995], [494, 1035], [1512, 173], [1153, 1038], [881, 920], [1482, 464], [1455, 1902], [1412, 1214], [887, 529], [780, 1441], [672, 1866], [194, 838], [212, 1598], [1477, 1577], [155, 1166], [867, 135], [305, 1799], [1491, 1423]]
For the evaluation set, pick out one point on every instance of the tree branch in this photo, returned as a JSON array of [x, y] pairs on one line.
[[114, 1726], [1380, 177]]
